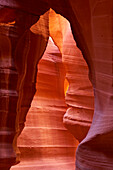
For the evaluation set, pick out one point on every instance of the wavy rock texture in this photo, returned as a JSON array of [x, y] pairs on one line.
[[44, 142], [92, 28], [91, 22], [38, 37], [8, 98], [98, 142], [79, 97], [49, 102], [13, 56], [15, 49]]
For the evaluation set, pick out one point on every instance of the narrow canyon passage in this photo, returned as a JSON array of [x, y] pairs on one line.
[[45, 143], [25, 28]]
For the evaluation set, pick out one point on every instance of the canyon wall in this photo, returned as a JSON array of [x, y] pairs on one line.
[[91, 23], [45, 143]]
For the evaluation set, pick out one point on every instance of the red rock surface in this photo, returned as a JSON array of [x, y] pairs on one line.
[[79, 96], [15, 50], [13, 56], [38, 38]]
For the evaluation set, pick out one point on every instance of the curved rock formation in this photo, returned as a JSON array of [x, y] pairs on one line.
[[8, 98], [38, 37], [44, 142], [92, 28], [16, 38], [12, 68], [79, 96], [91, 22], [98, 142]]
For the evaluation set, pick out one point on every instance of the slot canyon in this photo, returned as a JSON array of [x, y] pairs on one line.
[[56, 85]]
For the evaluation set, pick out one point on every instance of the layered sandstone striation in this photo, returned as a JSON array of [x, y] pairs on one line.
[[38, 38], [98, 142], [91, 23], [8, 98], [13, 55], [79, 96], [44, 142], [44, 136], [15, 50]]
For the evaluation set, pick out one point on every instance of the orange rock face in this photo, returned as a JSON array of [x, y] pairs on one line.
[[79, 96], [44, 142]]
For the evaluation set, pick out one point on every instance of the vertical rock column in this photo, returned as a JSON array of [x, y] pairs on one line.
[[38, 37], [8, 99], [79, 96], [14, 45], [96, 150], [44, 142]]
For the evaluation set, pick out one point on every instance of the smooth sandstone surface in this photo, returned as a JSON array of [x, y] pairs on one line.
[[56, 66], [44, 142], [91, 23], [79, 96]]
